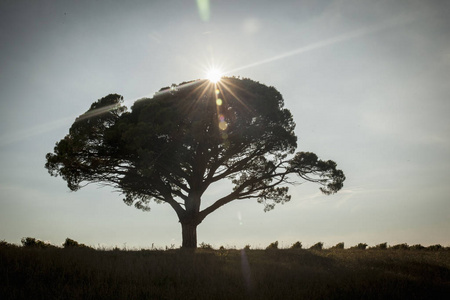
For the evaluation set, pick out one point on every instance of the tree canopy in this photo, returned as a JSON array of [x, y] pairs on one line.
[[170, 148]]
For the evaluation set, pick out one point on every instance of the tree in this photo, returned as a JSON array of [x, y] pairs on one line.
[[170, 148]]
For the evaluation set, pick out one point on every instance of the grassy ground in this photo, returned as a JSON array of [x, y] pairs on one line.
[[55, 273]]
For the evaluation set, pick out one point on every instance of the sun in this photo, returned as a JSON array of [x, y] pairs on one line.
[[214, 75]]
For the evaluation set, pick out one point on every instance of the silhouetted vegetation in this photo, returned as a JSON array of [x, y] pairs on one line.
[[296, 245], [5, 244], [435, 247], [417, 247], [172, 147], [360, 246], [382, 246], [272, 246], [32, 242], [338, 246], [400, 247], [206, 246], [72, 272], [317, 246], [69, 243]]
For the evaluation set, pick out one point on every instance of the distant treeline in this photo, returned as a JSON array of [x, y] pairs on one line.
[[70, 243]]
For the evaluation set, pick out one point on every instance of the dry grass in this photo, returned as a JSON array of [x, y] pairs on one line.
[[55, 273]]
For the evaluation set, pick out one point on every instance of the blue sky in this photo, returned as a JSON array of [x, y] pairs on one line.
[[366, 81]]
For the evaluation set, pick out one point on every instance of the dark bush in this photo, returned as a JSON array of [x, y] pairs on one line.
[[400, 247], [32, 242], [382, 246], [206, 246], [434, 247], [69, 243], [5, 244], [338, 246], [297, 245], [360, 246], [273, 245], [417, 247], [318, 246]]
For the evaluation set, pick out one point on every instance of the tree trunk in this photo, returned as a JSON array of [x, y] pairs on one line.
[[189, 234]]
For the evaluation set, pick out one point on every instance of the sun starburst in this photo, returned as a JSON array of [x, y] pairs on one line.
[[214, 75]]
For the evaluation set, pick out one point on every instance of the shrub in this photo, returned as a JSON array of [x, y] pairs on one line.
[[5, 244], [338, 246], [417, 247], [69, 243], [273, 245], [247, 247], [434, 247], [400, 247], [32, 242], [382, 246], [297, 245], [318, 246], [360, 246], [205, 246]]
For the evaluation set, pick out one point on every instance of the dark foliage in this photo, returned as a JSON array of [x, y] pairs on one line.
[[206, 246], [338, 246], [34, 243], [317, 246], [360, 246], [5, 244], [400, 247], [417, 247], [171, 148], [272, 246], [297, 245], [69, 243], [382, 246], [434, 247]]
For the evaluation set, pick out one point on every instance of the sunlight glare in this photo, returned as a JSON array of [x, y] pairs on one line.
[[214, 75]]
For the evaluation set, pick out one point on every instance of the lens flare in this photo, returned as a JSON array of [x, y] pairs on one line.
[[214, 75], [203, 9], [223, 125]]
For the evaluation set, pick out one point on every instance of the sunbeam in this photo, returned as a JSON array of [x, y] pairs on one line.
[[336, 40], [97, 112], [40, 129]]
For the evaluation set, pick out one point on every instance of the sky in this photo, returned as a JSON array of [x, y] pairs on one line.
[[366, 81]]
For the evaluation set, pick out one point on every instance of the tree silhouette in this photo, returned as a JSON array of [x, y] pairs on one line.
[[170, 148]]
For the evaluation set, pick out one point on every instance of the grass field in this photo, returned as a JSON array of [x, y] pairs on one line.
[[77, 273]]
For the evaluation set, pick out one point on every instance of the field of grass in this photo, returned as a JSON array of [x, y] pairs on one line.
[[83, 273]]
